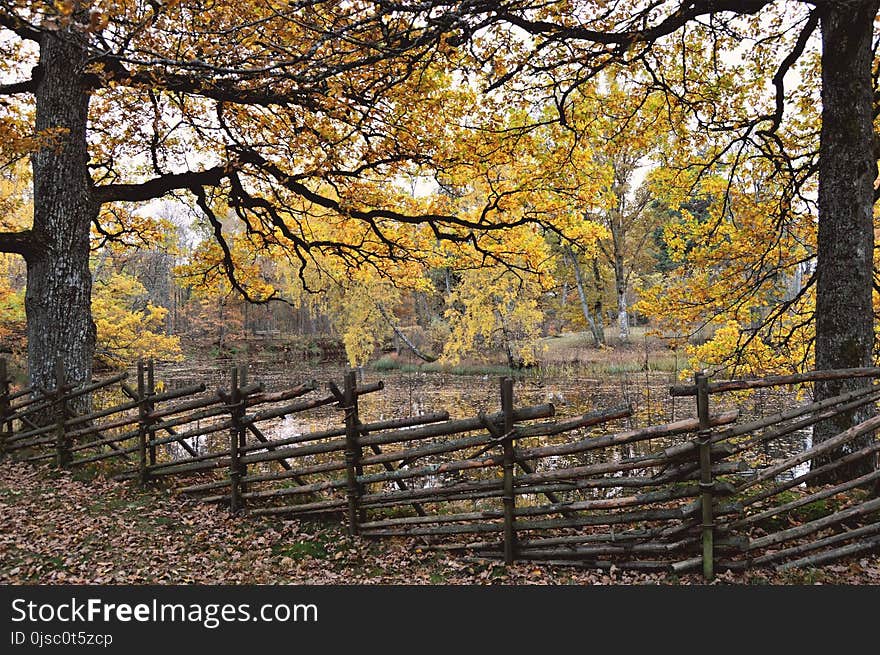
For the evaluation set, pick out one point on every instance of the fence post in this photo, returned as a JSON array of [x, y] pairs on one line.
[[707, 484], [235, 499], [150, 406], [509, 497], [5, 424], [143, 472], [62, 449], [353, 452], [242, 430]]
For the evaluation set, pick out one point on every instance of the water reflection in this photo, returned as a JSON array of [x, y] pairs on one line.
[[572, 392]]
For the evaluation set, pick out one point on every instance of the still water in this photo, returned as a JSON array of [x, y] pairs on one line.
[[572, 391]]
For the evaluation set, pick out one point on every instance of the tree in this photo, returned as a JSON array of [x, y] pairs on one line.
[[15, 210], [729, 274], [254, 105], [611, 133], [288, 103], [680, 48], [128, 326], [494, 307], [595, 320], [221, 304]]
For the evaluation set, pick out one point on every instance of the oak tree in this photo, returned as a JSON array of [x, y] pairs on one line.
[[254, 107], [688, 49]]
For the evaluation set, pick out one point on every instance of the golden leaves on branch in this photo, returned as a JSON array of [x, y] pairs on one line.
[[129, 326]]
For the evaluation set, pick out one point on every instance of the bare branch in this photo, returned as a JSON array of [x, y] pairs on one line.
[[25, 86], [22, 28], [371, 215], [778, 79], [160, 186], [686, 12], [22, 243], [228, 262]]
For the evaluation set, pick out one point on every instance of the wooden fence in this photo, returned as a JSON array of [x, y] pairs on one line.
[[700, 492]]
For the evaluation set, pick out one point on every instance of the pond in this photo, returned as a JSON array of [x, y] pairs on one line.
[[572, 390]]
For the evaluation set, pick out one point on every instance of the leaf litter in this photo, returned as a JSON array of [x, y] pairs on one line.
[[61, 530]]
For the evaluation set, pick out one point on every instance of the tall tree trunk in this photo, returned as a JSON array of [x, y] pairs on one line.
[[618, 234], [622, 305], [847, 169], [59, 284], [622, 315], [595, 330], [221, 326], [598, 306]]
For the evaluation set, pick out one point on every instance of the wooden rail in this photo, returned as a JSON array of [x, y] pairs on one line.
[[681, 496]]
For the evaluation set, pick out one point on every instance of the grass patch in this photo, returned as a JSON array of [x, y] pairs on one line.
[[85, 473], [393, 364], [110, 504], [399, 511], [617, 365], [577, 349], [299, 550], [815, 510], [162, 520], [558, 354]]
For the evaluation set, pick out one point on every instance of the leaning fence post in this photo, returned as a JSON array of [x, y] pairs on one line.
[[706, 482], [235, 499], [62, 449], [143, 471], [509, 498], [353, 452]]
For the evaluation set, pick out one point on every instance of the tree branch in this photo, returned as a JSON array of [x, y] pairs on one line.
[[22, 243], [228, 261], [159, 186], [787, 63], [249, 156], [22, 28], [25, 86], [686, 12], [409, 343], [221, 91]]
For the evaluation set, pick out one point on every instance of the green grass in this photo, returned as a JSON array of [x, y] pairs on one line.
[[85, 473], [391, 364], [815, 510], [115, 504], [299, 550], [577, 349], [666, 364]]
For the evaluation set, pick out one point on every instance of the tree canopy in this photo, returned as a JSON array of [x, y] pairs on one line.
[[294, 127]]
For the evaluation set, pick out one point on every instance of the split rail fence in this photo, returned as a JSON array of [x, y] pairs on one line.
[[697, 493]]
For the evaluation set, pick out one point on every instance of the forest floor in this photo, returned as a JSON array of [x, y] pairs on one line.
[[64, 528]]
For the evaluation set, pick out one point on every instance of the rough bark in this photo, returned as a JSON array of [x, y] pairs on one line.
[[847, 169], [58, 296]]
